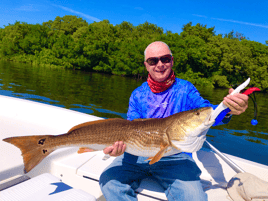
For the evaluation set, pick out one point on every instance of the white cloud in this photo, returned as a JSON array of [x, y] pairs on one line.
[[200, 15], [234, 21], [78, 13], [239, 22]]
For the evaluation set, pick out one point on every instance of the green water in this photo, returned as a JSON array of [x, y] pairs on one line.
[[107, 96]]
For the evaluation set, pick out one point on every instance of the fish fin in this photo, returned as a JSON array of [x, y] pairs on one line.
[[174, 146], [84, 150], [170, 142], [33, 149], [91, 122], [160, 154], [149, 159]]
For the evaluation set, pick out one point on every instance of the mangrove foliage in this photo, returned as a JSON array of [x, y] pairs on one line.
[[200, 55]]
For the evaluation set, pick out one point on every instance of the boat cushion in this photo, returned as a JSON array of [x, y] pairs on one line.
[[45, 187], [245, 186]]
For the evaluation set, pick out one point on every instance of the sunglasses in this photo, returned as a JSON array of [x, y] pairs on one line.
[[154, 60]]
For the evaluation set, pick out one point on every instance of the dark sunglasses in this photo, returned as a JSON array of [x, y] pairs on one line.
[[154, 60]]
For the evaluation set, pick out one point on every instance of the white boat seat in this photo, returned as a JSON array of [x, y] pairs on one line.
[[45, 187]]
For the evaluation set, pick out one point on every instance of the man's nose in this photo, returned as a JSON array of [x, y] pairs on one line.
[[160, 64]]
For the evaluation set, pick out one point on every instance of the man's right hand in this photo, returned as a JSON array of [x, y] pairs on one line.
[[116, 150]]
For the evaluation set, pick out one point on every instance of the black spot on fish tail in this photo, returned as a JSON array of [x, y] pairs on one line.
[[32, 149], [42, 141]]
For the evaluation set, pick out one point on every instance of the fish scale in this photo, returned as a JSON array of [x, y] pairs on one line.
[[152, 138]]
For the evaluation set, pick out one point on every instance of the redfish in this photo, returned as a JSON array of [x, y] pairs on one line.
[[153, 138]]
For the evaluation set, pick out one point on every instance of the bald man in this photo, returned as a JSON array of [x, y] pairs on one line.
[[161, 96]]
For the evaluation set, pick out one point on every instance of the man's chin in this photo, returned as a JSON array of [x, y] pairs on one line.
[[160, 77]]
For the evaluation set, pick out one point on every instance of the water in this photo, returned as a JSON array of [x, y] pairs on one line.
[[107, 96]]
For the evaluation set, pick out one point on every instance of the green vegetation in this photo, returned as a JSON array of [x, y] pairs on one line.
[[201, 56]]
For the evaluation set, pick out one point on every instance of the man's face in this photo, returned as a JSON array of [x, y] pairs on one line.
[[159, 71]]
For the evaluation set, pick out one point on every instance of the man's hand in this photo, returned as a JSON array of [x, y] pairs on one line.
[[238, 103], [116, 150]]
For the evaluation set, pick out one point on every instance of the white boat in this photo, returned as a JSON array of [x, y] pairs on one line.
[[81, 172]]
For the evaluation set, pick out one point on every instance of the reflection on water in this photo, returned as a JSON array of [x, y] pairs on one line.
[[101, 95], [107, 96]]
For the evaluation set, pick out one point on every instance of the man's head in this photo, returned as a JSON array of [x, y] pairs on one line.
[[158, 60]]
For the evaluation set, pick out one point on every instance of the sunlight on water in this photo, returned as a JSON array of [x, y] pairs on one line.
[[107, 96]]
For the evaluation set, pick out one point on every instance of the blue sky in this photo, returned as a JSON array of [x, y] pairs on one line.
[[247, 17]]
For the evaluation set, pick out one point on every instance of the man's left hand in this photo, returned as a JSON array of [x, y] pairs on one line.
[[238, 103]]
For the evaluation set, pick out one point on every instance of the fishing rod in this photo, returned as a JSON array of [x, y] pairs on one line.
[[220, 112], [227, 160]]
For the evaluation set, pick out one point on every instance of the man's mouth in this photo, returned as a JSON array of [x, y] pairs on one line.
[[161, 71]]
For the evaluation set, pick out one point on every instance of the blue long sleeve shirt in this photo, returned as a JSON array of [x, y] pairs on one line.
[[181, 96]]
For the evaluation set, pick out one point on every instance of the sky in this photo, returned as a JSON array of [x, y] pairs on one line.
[[247, 17]]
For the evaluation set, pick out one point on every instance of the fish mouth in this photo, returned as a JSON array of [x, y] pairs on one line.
[[208, 120]]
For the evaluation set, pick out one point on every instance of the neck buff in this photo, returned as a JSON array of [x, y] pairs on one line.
[[157, 87]]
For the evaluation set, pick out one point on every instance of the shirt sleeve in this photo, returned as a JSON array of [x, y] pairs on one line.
[[196, 101], [134, 111]]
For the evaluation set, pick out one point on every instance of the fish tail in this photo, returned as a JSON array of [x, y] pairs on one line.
[[33, 148]]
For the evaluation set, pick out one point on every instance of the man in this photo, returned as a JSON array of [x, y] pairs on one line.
[[161, 96]]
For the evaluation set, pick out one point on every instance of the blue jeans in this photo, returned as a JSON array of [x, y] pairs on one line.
[[177, 174]]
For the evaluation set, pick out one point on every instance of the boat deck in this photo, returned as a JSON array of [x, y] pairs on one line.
[[82, 171]]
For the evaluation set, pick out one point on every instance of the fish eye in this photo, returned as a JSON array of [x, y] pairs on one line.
[[196, 111]]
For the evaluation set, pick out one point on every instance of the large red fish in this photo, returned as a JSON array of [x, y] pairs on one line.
[[154, 138]]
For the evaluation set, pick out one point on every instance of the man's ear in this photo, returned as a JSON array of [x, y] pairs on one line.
[[146, 64]]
